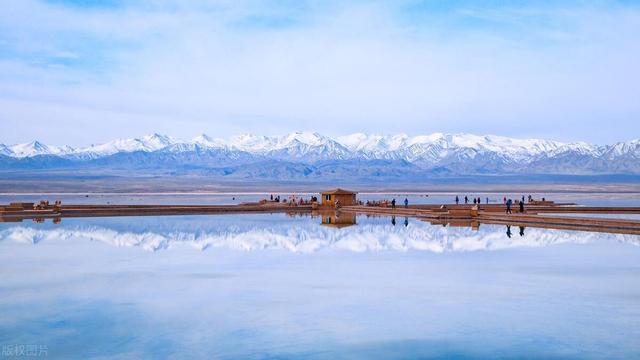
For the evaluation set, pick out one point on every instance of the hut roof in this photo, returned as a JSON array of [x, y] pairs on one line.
[[338, 191]]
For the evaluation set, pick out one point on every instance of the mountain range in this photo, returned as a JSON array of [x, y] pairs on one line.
[[308, 154]]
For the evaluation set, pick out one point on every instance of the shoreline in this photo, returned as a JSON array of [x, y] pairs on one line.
[[295, 192]]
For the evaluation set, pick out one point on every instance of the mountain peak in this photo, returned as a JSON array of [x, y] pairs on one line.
[[203, 137], [207, 141], [158, 137], [460, 150]]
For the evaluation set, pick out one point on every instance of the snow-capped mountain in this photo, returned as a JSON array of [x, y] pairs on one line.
[[452, 153], [147, 143], [5, 150], [440, 146], [34, 148]]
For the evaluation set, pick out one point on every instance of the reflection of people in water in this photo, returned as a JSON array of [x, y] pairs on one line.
[[509, 231], [521, 230], [406, 221], [393, 220]]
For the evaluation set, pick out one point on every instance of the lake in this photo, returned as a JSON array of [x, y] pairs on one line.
[[280, 286]]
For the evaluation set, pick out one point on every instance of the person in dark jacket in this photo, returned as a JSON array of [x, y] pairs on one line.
[[457, 200], [466, 199], [521, 206], [406, 202], [509, 202], [393, 203]]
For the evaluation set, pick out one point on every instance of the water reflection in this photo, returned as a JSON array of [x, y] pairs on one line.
[[86, 290], [297, 232], [337, 220]]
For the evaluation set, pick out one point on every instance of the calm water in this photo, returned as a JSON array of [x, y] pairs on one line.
[[276, 286]]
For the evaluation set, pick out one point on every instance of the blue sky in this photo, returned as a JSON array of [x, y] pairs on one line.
[[82, 72]]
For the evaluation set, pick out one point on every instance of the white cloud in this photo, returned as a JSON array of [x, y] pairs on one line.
[[221, 68]]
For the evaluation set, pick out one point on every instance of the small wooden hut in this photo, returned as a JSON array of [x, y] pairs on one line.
[[345, 197]]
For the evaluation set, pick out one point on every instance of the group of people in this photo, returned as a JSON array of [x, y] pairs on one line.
[[509, 203], [293, 200], [386, 203], [44, 204], [393, 203], [476, 200]]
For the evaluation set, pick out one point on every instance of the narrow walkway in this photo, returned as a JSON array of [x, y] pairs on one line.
[[462, 215]]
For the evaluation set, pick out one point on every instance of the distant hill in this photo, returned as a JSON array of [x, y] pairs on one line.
[[304, 155]]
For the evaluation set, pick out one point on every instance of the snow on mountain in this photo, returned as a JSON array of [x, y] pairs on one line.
[[437, 146], [147, 143], [626, 149], [252, 143], [296, 146], [35, 148], [376, 144], [310, 146], [4, 150], [208, 142], [456, 152]]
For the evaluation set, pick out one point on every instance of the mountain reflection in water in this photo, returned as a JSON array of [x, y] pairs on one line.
[[316, 288], [296, 232]]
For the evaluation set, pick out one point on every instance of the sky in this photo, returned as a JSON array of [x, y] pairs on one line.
[[80, 72]]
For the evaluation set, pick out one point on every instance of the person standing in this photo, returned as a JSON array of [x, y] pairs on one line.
[[457, 200], [522, 206], [406, 203], [393, 203], [509, 202], [466, 199]]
